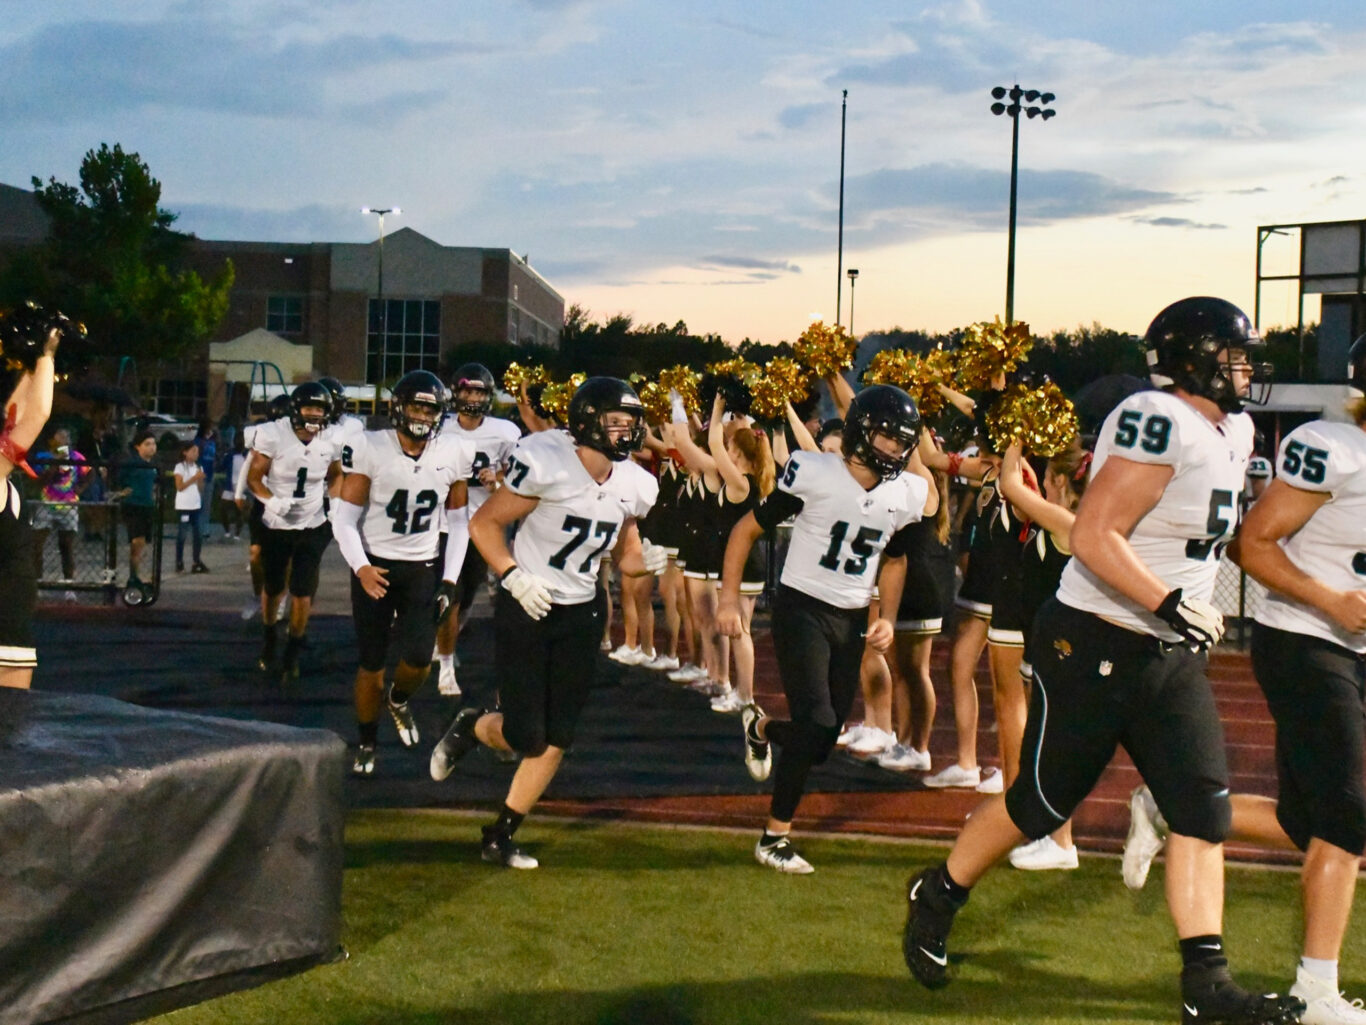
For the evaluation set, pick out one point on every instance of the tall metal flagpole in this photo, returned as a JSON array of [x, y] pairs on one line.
[[839, 256]]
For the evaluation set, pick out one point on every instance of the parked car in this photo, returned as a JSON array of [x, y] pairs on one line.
[[163, 425]]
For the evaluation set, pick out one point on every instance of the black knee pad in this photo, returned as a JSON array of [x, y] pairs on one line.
[[529, 744], [1338, 820], [1202, 811], [812, 741], [1030, 815]]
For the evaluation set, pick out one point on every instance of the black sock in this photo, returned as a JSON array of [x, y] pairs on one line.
[[508, 821], [268, 634], [369, 732], [954, 891], [293, 644], [1204, 951], [398, 697], [769, 839]]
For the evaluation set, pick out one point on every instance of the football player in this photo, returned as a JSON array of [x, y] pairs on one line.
[[278, 407], [492, 439], [851, 510], [293, 461], [1119, 655], [578, 496], [1305, 539], [387, 525]]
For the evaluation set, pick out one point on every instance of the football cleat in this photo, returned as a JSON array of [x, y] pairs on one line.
[[1209, 996], [758, 751], [500, 849], [929, 917], [403, 720], [364, 765], [458, 741], [1147, 834], [446, 684], [782, 857]]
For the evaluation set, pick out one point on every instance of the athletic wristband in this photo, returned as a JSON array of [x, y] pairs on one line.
[[507, 573]]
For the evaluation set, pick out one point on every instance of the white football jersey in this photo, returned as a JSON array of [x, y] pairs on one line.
[[839, 535], [1331, 547], [346, 430], [297, 472], [577, 520], [403, 518], [1180, 538], [492, 442]]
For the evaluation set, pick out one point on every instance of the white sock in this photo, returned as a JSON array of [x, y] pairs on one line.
[[1322, 970], [447, 661]]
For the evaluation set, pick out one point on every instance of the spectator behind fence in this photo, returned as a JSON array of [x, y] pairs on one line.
[[62, 479], [207, 440], [137, 489], [189, 500]]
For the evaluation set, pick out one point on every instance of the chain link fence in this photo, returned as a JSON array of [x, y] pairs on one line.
[[1238, 597], [81, 533]]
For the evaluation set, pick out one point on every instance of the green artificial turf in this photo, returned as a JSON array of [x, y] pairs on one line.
[[638, 924]]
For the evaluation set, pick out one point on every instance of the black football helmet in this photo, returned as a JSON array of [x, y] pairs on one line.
[[596, 397], [1356, 365], [278, 407], [420, 388], [472, 375], [310, 395], [338, 392], [1184, 343], [881, 409]]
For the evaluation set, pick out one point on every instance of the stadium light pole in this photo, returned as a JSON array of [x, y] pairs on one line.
[[839, 245], [1013, 109], [383, 309], [853, 276]]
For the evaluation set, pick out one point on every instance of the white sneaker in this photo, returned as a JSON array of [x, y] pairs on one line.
[[662, 663], [1147, 834], [708, 687], [851, 733], [728, 703], [1044, 854], [626, 656], [1324, 1005], [605, 644], [904, 758], [954, 776], [783, 857], [251, 610], [993, 782], [874, 741], [687, 673], [445, 681]]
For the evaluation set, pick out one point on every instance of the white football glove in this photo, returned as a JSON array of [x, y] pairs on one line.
[[531, 591], [655, 557], [1199, 622], [279, 505]]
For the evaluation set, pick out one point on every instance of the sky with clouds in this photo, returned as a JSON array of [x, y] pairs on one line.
[[681, 161]]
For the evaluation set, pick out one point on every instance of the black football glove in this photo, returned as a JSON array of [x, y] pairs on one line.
[[446, 600], [1197, 621]]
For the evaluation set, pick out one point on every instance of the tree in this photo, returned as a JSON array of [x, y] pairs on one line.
[[113, 261]]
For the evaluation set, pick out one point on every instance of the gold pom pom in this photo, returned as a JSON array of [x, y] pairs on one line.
[[990, 349], [918, 376], [826, 350], [1041, 419], [557, 395], [517, 375], [782, 381], [682, 379], [654, 397]]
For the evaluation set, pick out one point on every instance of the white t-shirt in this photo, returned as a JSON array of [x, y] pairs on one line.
[[1180, 538], [188, 499], [492, 441], [1326, 458], [576, 520], [839, 535], [297, 471], [403, 517]]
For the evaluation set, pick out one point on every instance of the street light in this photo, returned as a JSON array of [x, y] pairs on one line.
[[1013, 109], [853, 276], [383, 309]]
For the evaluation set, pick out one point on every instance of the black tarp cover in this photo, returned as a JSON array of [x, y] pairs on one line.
[[149, 859]]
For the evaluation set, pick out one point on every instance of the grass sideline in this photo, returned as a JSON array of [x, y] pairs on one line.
[[647, 924]]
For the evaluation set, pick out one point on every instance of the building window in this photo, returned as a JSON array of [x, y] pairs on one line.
[[514, 325], [184, 398], [404, 334], [285, 314]]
